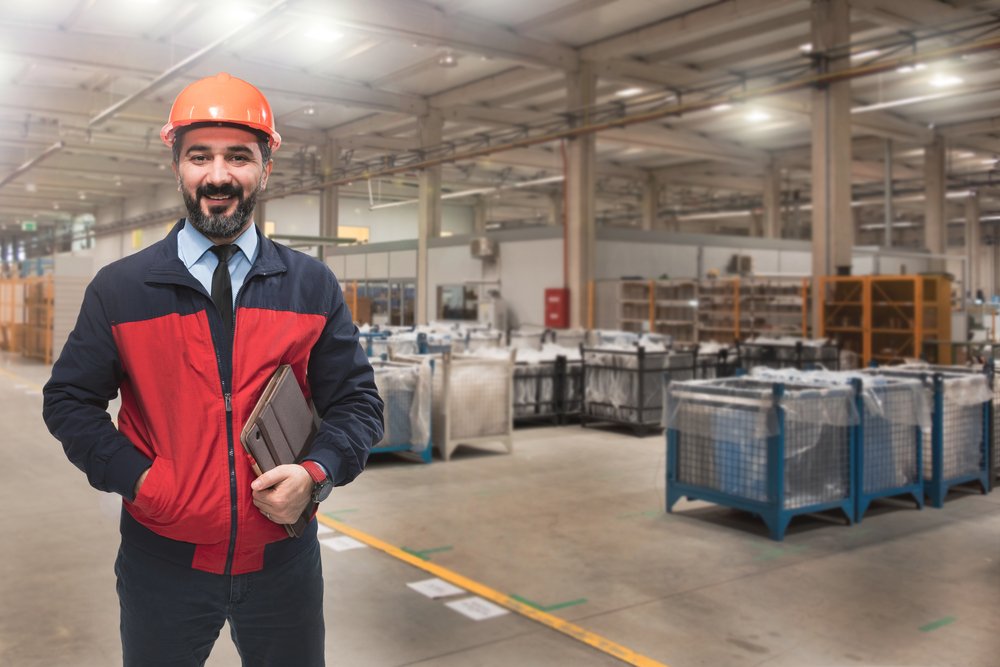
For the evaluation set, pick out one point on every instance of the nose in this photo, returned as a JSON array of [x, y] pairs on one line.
[[218, 173]]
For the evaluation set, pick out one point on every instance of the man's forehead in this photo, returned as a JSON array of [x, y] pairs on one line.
[[222, 135]]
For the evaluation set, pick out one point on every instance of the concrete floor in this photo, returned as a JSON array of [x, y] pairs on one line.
[[573, 516]]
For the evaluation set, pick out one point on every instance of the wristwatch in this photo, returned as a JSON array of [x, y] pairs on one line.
[[322, 484]]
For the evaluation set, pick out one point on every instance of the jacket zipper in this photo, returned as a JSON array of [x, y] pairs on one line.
[[230, 439]]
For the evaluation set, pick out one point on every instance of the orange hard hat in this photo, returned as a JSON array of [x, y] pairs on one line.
[[223, 99]]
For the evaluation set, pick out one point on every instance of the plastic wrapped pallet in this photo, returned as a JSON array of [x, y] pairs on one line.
[[624, 384], [406, 391], [725, 426]]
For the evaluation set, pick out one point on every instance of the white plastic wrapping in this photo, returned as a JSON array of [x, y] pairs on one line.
[[406, 391], [724, 426], [616, 388]]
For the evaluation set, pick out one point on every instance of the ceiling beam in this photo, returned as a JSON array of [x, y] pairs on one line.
[[907, 14], [429, 24], [711, 19], [683, 143]]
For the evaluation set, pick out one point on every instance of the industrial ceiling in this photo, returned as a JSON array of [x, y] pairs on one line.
[[700, 95]]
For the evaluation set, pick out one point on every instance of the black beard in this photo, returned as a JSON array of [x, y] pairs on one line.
[[217, 225]]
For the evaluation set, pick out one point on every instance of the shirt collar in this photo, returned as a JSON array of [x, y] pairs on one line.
[[192, 244]]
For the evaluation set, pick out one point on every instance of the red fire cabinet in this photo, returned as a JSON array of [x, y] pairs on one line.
[[557, 307]]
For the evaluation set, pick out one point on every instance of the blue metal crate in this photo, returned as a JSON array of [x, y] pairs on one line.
[[774, 449], [956, 445]]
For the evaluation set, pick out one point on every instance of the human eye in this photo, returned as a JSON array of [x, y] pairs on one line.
[[198, 158]]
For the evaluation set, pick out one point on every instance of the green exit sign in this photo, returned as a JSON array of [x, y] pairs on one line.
[[29, 226]]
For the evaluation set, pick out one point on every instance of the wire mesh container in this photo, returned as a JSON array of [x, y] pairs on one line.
[[625, 385], [543, 388], [774, 449], [955, 444], [472, 400], [789, 352], [406, 390]]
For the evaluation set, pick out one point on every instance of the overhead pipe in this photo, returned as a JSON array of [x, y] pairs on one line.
[[815, 80], [184, 64], [44, 155]]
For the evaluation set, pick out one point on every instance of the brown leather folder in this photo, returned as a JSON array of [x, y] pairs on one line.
[[280, 430]]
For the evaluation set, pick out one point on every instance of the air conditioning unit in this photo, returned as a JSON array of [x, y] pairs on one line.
[[484, 248]]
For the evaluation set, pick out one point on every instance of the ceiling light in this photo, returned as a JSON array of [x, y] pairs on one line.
[[629, 92], [309, 111], [965, 155], [321, 34], [866, 54], [757, 116], [31, 187], [990, 162], [722, 107], [55, 205], [806, 48], [906, 69], [945, 80], [82, 194], [447, 59]]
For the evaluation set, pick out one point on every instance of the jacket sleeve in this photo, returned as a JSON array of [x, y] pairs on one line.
[[343, 389], [75, 409]]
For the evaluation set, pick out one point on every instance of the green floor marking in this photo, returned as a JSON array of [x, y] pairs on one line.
[[335, 514], [422, 554], [554, 607], [947, 620]]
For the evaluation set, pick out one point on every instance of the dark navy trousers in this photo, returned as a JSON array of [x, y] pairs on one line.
[[171, 615]]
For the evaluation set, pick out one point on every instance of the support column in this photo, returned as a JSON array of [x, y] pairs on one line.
[[429, 211], [479, 211], [890, 215], [260, 214], [650, 202], [832, 217], [973, 244], [329, 199], [556, 208], [772, 201], [935, 227], [580, 185]]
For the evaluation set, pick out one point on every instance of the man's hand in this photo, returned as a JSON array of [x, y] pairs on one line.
[[283, 493], [138, 482]]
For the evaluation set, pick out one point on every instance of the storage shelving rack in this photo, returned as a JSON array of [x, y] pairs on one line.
[[719, 310], [635, 303], [888, 319], [675, 309], [777, 306]]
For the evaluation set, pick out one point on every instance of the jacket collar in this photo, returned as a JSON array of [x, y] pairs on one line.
[[167, 267]]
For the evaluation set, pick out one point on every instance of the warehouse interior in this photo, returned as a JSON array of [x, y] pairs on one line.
[[649, 287]]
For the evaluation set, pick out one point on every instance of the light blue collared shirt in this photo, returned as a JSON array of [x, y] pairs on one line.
[[192, 248]]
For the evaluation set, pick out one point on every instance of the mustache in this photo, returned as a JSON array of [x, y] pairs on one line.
[[228, 190]]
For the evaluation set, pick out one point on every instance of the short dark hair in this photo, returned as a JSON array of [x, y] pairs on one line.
[[263, 141]]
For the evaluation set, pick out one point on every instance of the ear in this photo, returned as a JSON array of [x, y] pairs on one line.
[[264, 174]]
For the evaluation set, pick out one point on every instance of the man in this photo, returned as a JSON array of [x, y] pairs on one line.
[[189, 331]]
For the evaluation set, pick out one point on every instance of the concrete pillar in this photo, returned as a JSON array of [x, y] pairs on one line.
[[556, 208], [329, 199], [890, 215], [429, 212], [480, 208], [650, 202], [580, 186], [935, 226], [260, 214], [772, 201], [832, 217], [973, 244]]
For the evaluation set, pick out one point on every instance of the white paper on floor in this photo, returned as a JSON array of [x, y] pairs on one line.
[[435, 588], [477, 608], [343, 543], [322, 529]]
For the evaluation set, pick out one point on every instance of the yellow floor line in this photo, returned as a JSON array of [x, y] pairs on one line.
[[618, 651], [20, 380]]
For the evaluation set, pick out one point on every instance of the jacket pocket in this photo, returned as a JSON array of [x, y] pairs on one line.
[[154, 494]]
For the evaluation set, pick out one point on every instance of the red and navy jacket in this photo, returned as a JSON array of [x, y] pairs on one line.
[[148, 329]]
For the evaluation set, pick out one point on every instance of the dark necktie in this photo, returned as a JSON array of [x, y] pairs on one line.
[[222, 284]]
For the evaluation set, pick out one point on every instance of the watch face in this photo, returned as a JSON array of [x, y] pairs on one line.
[[322, 491]]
